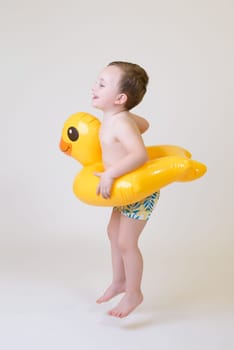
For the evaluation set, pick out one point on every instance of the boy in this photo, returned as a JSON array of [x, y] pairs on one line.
[[119, 88]]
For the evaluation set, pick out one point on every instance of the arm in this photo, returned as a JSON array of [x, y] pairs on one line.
[[136, 155], [129, 136]]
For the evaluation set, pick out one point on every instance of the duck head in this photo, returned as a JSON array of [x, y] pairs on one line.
[[80, 138]]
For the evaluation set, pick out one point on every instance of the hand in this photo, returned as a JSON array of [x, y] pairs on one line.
[[105, 184]]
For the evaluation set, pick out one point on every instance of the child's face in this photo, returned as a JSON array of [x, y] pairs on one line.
[[106, 89]]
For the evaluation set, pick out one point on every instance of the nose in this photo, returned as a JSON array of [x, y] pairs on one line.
[[94, 87]]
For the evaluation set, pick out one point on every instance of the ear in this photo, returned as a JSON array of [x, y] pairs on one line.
[[121, 99]]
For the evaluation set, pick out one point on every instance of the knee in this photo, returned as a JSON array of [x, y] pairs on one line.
[[125, 246]]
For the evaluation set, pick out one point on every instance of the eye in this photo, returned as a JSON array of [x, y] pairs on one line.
[[73, 133]]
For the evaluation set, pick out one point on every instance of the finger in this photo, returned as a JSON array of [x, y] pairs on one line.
[[105, 193]]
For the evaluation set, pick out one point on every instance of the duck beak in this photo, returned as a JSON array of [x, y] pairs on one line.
[[65, 147]]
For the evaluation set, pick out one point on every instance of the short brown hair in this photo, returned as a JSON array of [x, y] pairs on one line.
[[133, 83]]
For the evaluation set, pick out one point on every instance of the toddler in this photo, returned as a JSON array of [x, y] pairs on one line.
[[120, 87]]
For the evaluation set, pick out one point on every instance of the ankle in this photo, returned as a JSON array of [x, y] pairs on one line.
[[134, 293], [119, 283]]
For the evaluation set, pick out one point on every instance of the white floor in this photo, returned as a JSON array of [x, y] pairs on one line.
[[49, 286]]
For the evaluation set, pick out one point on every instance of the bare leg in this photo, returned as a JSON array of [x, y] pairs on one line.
[[118, 283], [129, 232]]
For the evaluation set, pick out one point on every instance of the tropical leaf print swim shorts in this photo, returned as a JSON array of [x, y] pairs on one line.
[[140, 210]]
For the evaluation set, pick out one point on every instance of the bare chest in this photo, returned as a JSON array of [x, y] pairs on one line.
[[112, 149]]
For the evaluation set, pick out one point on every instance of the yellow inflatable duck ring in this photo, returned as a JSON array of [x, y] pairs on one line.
[[166, 164]]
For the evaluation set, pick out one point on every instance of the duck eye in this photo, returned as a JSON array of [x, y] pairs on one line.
[[73, 133]]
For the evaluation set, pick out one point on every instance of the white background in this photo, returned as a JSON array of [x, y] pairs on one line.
[[54, 254]]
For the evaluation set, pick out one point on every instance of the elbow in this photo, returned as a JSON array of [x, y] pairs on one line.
[[145, 127]]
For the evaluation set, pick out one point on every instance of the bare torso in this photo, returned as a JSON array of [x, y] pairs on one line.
[[112, 149]]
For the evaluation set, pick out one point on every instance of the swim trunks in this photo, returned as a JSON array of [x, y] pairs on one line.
[[140, 210]]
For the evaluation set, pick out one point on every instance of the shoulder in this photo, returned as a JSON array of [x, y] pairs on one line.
[[124, 125], [124, 119]]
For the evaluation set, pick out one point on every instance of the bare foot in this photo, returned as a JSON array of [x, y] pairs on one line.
[[127, 304], [111, 292]]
